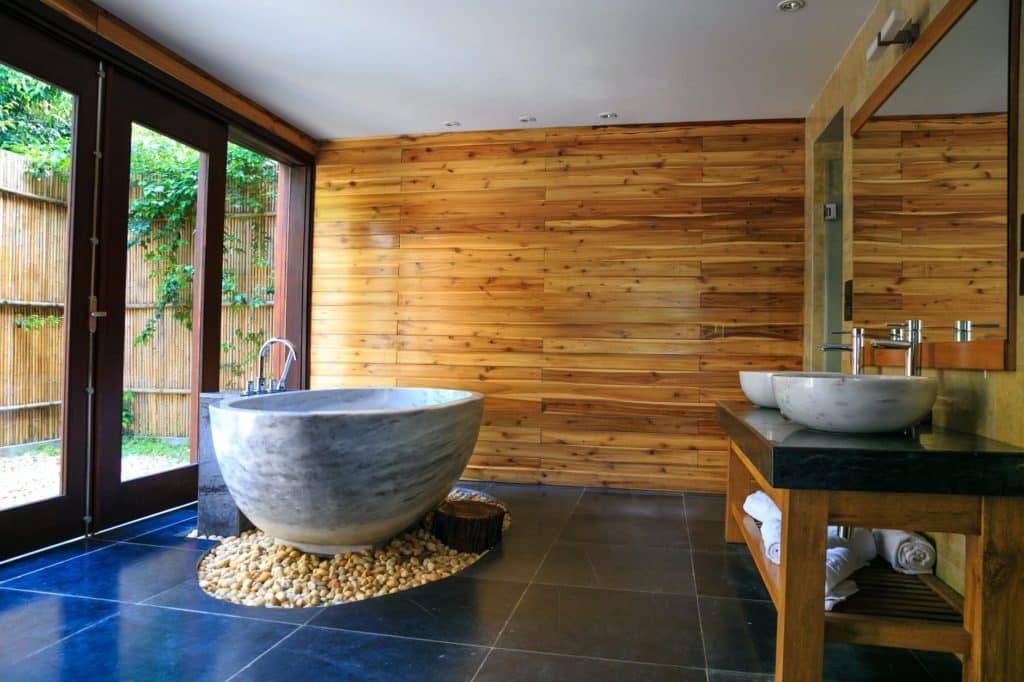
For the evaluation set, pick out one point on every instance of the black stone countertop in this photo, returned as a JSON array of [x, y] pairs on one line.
[[926, 460]]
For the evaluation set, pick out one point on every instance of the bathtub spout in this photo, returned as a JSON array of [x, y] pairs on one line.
[[262, 384]]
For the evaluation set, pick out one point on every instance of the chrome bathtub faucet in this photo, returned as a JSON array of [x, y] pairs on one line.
[[260, 384]]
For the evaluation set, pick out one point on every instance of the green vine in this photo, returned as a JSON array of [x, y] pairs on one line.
[[36, 122], [35, 323]]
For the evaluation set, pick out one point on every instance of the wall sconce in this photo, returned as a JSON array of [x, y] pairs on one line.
[[897, 30]]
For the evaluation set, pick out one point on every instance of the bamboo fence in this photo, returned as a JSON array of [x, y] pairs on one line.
[[33, 248]]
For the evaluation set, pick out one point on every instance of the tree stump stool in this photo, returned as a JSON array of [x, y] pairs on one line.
[[468, 525]]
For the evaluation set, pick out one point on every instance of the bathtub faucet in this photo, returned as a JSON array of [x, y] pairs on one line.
[[262, 384]]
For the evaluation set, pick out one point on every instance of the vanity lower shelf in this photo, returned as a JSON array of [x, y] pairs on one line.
[[890, 609]]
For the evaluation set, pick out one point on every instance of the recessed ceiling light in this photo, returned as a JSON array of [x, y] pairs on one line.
[[451, 124], [527, 119], [607, 115], [791, 5]]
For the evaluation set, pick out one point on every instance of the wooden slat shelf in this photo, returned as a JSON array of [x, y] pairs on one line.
[[889, 609]]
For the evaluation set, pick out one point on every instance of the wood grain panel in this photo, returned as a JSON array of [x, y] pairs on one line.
[[600, 286], [929, 236]]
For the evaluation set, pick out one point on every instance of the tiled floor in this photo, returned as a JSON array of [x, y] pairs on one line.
[[587, 585]]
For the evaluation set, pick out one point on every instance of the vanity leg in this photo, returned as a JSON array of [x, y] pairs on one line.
[[994, 593], [736, 490], [800, 631]]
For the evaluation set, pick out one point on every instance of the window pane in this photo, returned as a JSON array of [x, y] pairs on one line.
[[36, 122], [155, 423], [247, 316]]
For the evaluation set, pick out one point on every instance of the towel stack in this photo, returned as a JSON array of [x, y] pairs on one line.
[[842, 556]]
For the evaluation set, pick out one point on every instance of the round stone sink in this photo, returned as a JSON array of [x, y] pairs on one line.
[[848, 403], [757, 386]]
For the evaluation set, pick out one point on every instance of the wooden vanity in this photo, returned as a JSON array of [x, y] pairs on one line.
[[932, 480]]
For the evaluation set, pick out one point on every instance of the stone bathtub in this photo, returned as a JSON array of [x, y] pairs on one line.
[[340, 470]]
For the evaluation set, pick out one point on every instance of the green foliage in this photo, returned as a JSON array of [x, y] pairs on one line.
[[250, 344], [35, 323], [127, 414], [35, 121], [148, 446]]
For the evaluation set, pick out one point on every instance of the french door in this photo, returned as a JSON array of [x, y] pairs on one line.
[[46, 218], [157, 305], [110, 192]]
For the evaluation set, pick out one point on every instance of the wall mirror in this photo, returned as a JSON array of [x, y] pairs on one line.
[[931, 199]]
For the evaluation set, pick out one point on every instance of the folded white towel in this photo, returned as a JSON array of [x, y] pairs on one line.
[[906, 552], [771, 536], [840, 592], [861, 541], [761, 507]]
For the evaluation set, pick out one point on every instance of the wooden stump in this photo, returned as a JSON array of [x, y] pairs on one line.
[[468, 525]]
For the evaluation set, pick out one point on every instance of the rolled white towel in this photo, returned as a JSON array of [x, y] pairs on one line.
[[861, 541], [840, 564], [771, 536], [761, 507], [840, 592], [906, 552]]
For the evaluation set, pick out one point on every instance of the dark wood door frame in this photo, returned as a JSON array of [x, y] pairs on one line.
[[31, 526], [129, 101]]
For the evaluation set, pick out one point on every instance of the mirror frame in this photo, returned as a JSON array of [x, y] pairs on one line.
[[953, 355]]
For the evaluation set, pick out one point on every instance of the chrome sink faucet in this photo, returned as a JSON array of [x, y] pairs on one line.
[[855, 348], [905, 336], [261, 384]]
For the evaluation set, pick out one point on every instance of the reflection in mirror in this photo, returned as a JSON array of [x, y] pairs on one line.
[[930, 188]]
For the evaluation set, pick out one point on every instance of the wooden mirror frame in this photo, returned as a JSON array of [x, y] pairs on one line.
[[997, 354]]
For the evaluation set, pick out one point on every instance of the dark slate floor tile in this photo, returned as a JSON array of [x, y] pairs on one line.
[[19, 567], [733, 676], [739, 634], [322, 654], [704, 507], [516, 558], [941, 667], [709, 536], [174, 536], [540, 527], [632, 626], [153, 644], [124, 572], [31, 621], [647, 569], [189, 596], [850, 663], [521, 666], [728, 574], [625, 503], [464, 610], [536, 499], [132, 530], [625, 530]]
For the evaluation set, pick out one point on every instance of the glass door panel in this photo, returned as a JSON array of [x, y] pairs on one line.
[[247, 293], [36, 120], [161, 203], [164, 186], [47, 138]]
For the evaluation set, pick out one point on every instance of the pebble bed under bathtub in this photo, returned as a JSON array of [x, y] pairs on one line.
[[255, 570]]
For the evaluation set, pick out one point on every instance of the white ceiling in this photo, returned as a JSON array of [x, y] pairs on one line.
[[352, 68]]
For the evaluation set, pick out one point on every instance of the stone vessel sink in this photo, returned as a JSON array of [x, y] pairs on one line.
[[847, 403], [340, 470], [757, 386]]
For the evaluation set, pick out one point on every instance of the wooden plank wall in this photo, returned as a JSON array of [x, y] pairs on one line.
[[929, 233], [601, 286]]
